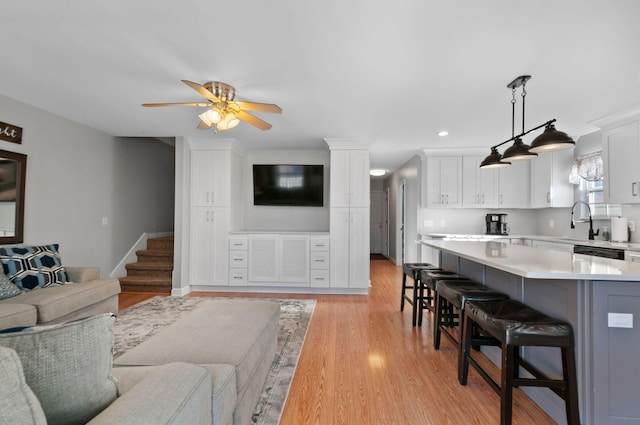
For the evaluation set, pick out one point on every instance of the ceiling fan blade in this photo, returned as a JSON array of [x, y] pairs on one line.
[[253, 120], [203, 91], [203, 104], [203, 126], [262, 107]]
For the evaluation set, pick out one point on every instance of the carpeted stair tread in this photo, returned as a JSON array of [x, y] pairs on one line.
[[149, 266], [145, 284], [155, 256], [163, 243]]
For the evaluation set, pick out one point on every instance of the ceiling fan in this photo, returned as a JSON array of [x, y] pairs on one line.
[[223, 112]]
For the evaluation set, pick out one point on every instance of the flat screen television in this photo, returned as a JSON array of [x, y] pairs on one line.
[[288, 185]]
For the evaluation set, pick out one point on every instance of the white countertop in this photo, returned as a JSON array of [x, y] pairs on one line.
[[630, 246], [539, 262]]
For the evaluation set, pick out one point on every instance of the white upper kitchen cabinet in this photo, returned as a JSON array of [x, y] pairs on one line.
[[444, 181], [513, 185], [621, 155], [479, 186], [550, 185], [349, 178]]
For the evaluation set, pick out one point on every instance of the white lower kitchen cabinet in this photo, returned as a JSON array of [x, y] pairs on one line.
[[349, 248], [208, 246]]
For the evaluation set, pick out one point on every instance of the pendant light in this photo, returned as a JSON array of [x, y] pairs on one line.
[[550, 140]]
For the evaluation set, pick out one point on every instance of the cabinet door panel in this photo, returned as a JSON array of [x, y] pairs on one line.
[[210, 178], [200, 246], [262, 258], [339, 193], [514, 185], [359, 178], [295, 259], [339, 247], [359, 248], [621, 167]]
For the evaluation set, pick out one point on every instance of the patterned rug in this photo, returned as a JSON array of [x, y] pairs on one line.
[[135, 324]]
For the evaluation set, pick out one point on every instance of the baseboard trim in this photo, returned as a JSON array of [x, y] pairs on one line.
[[281, 290]]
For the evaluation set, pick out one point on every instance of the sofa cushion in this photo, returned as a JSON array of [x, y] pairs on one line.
[[7, 289], [17, 315], [68, 367], [19, 405], [57, 301], [33, 267]]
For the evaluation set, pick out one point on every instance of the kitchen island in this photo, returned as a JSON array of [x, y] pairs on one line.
[[600, 298]]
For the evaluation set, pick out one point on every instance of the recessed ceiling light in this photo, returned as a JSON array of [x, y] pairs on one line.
[[377, 173], [443, 133]]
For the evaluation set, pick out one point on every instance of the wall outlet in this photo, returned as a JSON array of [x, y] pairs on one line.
[[443, 223], [632, 225], [105, 221], [552, 224], [428, 223]]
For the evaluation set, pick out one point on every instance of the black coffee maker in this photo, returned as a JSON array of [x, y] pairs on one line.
[[497, 224]]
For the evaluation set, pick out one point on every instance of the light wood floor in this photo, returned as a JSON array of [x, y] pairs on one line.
[[363, 363]]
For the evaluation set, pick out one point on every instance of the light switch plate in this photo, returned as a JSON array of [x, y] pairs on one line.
[[428, 223], [620, 320]]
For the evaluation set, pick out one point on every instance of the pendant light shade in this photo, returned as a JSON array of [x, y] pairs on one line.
[[551, 140], [518, 152], [494, 160]]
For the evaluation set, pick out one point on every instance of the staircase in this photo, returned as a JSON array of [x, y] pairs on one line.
[[152, 272]]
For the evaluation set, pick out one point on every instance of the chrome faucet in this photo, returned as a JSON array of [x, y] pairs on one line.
[[573, 224]]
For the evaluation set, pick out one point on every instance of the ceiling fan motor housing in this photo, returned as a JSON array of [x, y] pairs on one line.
[[222, 91]]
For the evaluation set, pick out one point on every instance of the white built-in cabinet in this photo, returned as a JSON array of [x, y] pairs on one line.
[[349, 214], [621, 155], [350, 168], [444, 181], [550, 185], [215, 181], [278, 258], [349, 229], [479, 186], [208, 265]]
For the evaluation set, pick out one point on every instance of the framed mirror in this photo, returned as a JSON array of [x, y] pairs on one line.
[[13, 169]]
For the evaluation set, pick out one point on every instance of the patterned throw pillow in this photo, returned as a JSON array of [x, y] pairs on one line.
[[7, 289], [32, 267]]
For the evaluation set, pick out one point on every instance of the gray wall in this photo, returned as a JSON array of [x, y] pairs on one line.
[[77, 175], [306, 219]]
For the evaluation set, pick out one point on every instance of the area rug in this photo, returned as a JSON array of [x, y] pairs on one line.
[[135, 324]]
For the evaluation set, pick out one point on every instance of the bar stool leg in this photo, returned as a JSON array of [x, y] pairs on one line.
[[506, 384], [421, 299], [414, 315], [404, 288], [463, 355], [571, 389], [436, 321]]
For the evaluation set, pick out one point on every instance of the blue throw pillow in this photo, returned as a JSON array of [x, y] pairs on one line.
[[31, 267]]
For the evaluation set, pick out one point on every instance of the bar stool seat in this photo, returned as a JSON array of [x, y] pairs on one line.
[[451, 298], [513, 324], [413, 270], [429, 281]]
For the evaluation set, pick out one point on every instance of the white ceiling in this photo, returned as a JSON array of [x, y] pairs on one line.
[[393, 71]]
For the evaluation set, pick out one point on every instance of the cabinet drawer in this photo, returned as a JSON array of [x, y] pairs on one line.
[[319, 260], [238, 259], [237, 277], [319, 279], [240, 243], [319, 243]]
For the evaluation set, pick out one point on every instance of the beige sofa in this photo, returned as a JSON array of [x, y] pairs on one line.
[[86, 295]]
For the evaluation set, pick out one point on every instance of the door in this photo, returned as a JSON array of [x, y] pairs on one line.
[[375, 223], [400, 207]]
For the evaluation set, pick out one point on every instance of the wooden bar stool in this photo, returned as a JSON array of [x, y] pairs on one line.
[[451, 298], [429, 281], [513, 325], [413, 270]]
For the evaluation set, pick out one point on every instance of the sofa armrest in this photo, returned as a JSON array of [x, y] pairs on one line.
[[82, 274], [175, 393]]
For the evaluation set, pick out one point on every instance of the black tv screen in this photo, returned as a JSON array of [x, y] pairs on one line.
[[288, 185]]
